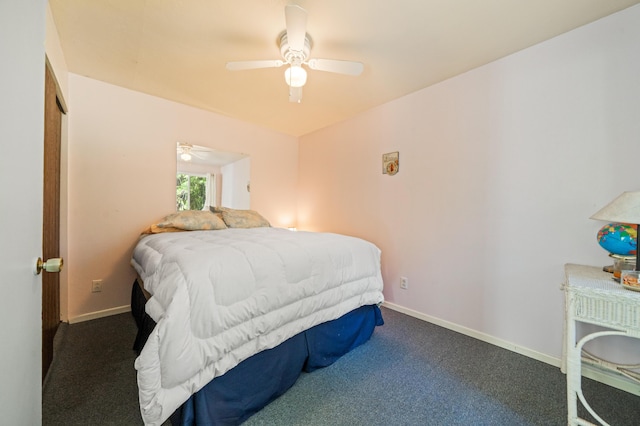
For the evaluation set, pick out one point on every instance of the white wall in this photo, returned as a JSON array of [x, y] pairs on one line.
[[122, 167], [236, 179], [500, 169], [55, 56]]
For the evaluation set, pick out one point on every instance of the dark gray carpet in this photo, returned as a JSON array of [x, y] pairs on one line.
[[409, 373], [92, 380]]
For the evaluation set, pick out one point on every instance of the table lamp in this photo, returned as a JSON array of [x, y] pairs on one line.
[[624, 209]]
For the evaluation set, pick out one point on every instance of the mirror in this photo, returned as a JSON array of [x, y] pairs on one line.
[[208, 177]]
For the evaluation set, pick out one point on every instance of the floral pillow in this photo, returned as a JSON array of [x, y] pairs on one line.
[[192, 220], [242, 218]]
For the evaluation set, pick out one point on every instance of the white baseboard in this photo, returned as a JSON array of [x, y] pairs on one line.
[[594, 373], [100, 314], [476, 334]]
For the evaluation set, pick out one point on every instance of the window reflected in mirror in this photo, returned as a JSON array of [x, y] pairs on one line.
[[209, 178], [191, 191]]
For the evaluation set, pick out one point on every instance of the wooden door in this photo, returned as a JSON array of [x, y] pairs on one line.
[[51, 219]]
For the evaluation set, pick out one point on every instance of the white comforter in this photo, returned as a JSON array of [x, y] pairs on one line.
[[219, 297]]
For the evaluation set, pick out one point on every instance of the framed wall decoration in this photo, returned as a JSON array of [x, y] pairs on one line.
[[390, 163]]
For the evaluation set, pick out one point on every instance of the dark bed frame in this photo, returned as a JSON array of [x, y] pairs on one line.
[[233, 397]]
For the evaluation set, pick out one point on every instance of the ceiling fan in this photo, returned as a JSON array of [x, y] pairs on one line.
[[187, 151], [295, 47]]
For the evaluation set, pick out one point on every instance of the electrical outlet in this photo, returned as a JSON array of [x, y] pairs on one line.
[[404, 283], [96, 286]]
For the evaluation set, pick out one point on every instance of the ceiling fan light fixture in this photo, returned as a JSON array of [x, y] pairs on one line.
[[295, 76], [185, 151], [295, 48]]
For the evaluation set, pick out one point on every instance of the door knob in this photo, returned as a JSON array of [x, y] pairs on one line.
[[51, 265]]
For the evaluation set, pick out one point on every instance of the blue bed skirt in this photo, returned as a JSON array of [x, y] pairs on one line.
[[233, 397]]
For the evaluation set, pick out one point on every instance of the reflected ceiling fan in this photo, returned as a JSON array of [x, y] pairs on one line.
[[187, 151], [295, 47]]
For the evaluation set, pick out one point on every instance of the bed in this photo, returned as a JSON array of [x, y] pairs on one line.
[[228, 301]]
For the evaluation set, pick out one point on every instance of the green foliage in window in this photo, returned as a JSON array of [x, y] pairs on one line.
[[182, 192], [190, 192]]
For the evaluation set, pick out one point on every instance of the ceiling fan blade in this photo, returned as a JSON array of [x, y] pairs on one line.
[[334, 65], [295, 94], [296, 19], [251, 65]]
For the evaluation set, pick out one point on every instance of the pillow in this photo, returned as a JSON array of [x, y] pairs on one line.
[[242, 218], [153, 229], [216, 211], [192, 220]]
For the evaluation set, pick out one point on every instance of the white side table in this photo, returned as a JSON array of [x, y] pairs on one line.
[[591, 296]]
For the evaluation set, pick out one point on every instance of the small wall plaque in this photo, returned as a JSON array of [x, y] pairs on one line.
[[390, 163]]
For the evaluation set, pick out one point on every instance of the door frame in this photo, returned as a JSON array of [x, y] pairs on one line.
[[51, 217]]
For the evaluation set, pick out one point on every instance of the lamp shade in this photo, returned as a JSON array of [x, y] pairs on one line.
[[624, 209], [295, 76]]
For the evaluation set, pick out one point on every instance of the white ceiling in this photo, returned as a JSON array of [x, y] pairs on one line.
[[209, 156], [178, 49]]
